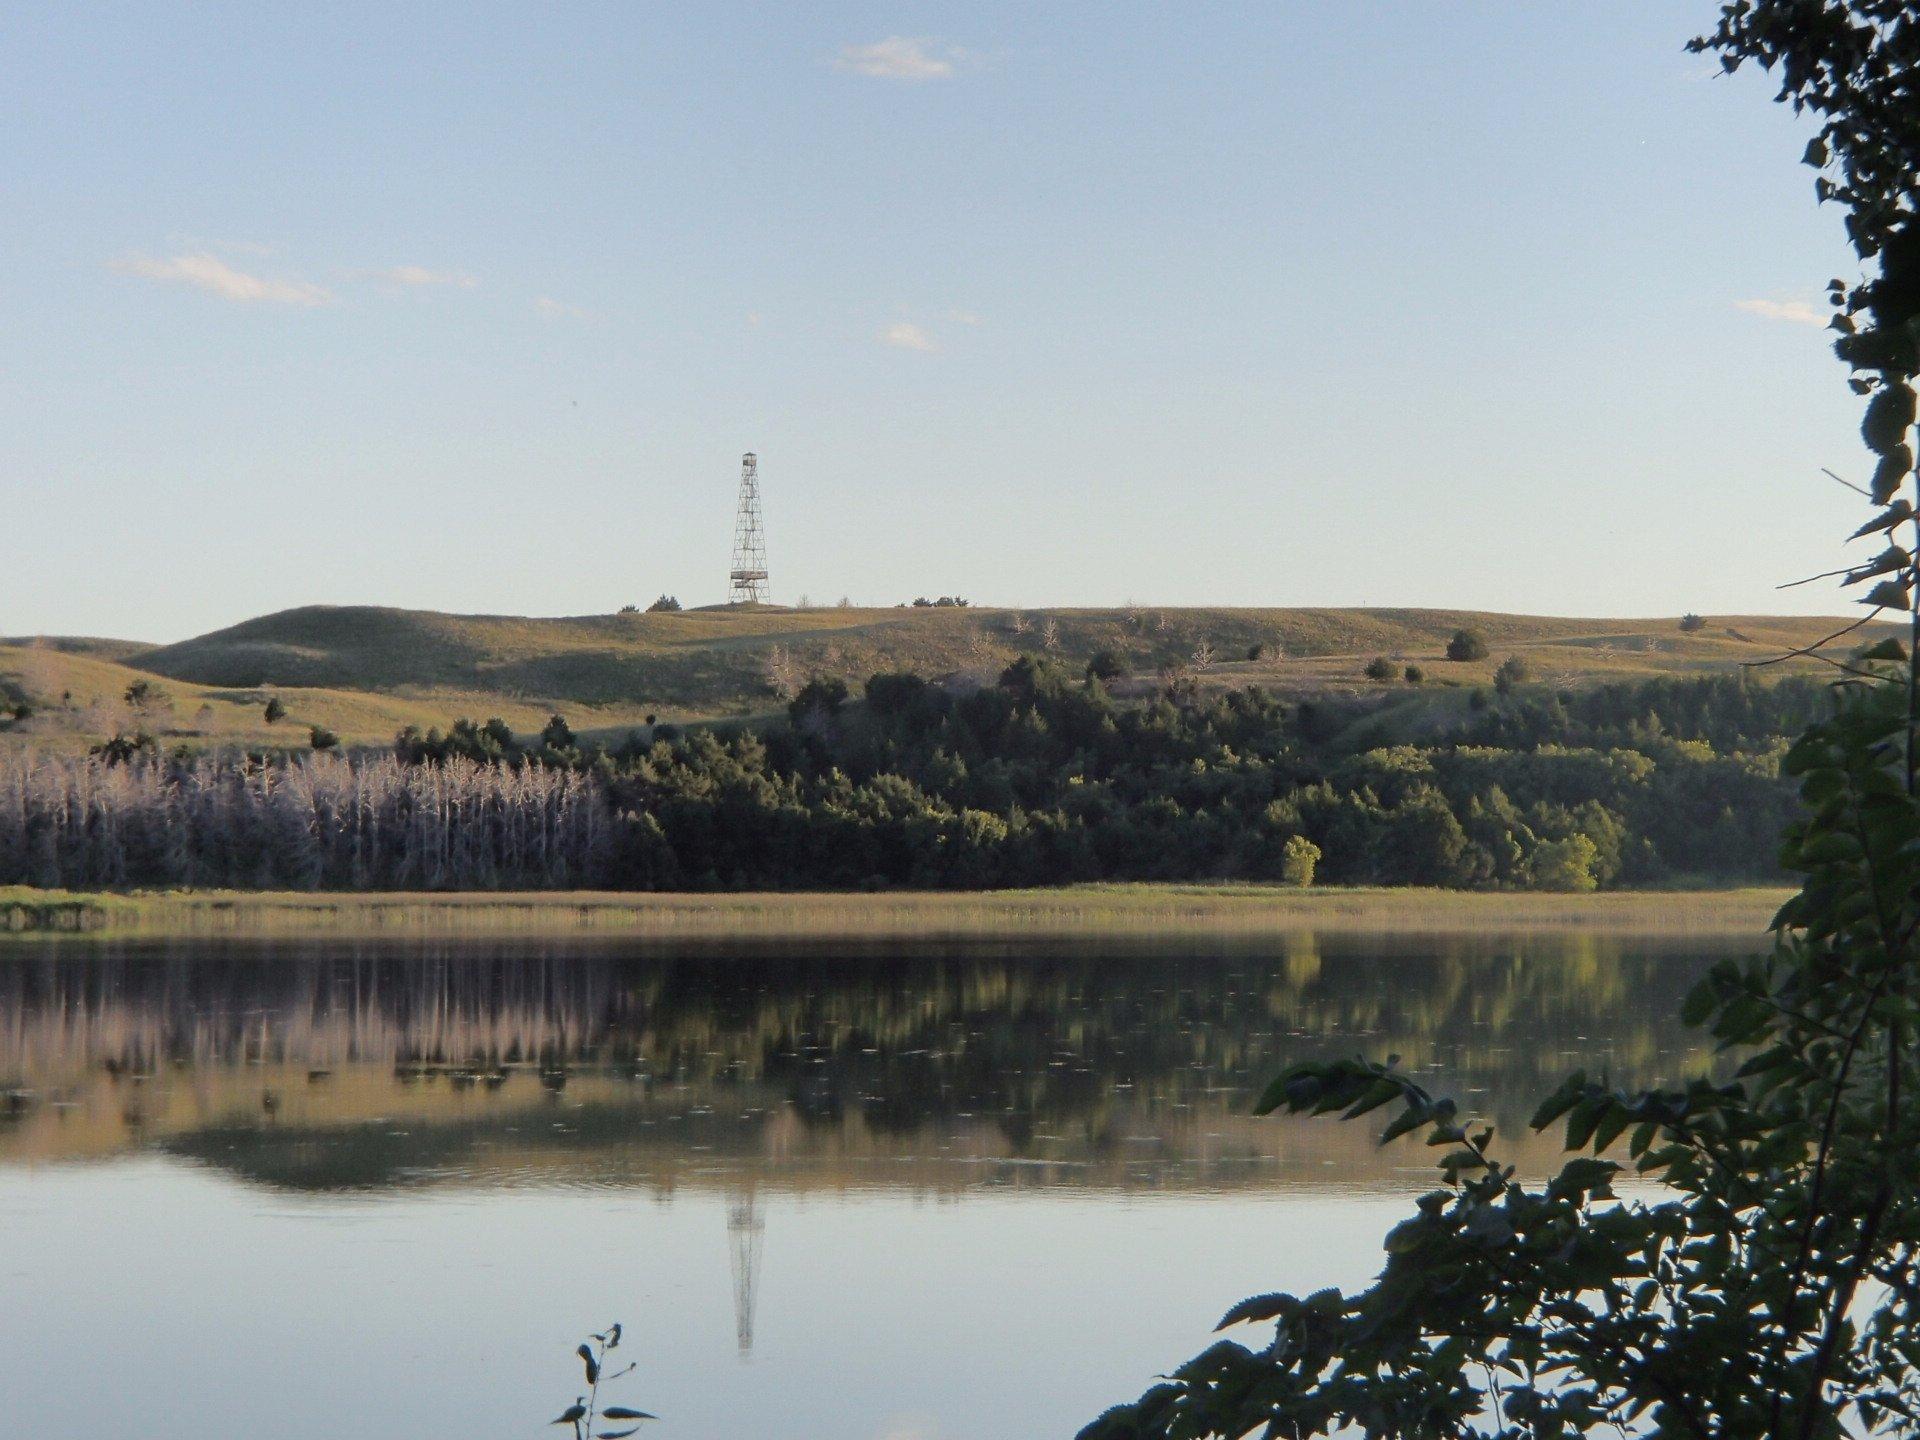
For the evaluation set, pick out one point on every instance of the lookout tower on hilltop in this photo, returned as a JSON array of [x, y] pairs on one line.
[[747, 580]]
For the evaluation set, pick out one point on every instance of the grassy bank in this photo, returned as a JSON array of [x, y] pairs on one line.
[[1107, 913]]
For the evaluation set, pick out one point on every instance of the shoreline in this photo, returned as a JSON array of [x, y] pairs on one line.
[[1108, 913]]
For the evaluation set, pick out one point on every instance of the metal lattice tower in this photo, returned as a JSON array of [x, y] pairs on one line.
[[745, 1230], [747, 581]]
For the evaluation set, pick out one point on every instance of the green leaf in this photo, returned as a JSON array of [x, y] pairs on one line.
[[1558, 1103], [1258, 1307], [1898, 513], [1584, 1117], [1610, 1127], [1887, 595], [1412, 1118], [1372, 1098]]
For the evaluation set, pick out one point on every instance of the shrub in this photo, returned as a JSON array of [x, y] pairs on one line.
[[322, 738], [1298, 859], [1565, 865], [1413, 674], [275, 711], [1379, 668], [666, 604], [1106, 665], [1690, 623], [1513, 671], [144, 696], [123, 749], [558, 735], [819, 699], [1467, 645]]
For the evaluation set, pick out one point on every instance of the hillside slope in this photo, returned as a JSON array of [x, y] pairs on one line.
[[365, 672], [714, 662], [77, 700]]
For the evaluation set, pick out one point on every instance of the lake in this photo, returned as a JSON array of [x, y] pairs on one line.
[[355, 1191]]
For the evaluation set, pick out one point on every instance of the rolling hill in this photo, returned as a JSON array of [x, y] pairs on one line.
[[365, 671]]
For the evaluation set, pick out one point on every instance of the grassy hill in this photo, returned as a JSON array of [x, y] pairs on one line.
[[78, 700], [364, 671]]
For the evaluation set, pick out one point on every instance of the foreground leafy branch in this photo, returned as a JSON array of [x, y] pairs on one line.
[[586, 1411], [1762, 1281]]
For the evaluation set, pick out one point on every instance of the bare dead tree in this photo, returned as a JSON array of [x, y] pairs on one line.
[[1050, 633], [781, 672]]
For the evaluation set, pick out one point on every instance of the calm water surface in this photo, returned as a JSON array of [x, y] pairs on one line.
[[359, 1192]]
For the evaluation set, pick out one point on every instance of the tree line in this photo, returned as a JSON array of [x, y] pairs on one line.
[[1042, 778]]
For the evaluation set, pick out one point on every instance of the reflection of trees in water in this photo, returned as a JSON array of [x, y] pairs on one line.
[[811, 1052]]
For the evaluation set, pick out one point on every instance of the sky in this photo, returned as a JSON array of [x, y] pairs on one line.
[[475, 307]]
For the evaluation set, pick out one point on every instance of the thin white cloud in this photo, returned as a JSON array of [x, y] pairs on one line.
[[420, 275], [905, 335], [559, 309], [1797, 312], [901, 57], [212, 274]]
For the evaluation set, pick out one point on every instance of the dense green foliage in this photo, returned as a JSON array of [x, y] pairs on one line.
[[1043, 778]]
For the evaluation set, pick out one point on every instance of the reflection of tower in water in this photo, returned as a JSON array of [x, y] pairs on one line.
[[745, 1230]]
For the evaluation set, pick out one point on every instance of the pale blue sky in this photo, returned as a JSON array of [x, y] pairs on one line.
[[474, 307]]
